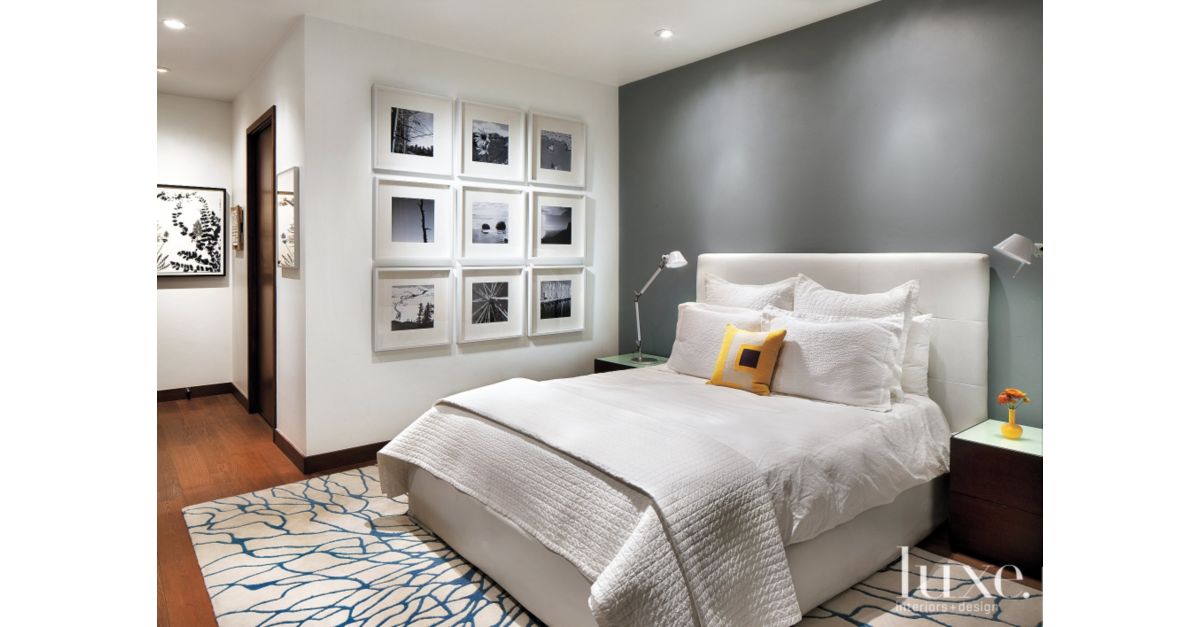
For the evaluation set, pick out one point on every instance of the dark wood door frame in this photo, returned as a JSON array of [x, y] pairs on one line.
[[253, 268]]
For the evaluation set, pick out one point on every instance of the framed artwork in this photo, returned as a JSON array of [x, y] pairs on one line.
[[191, 231], [492, 304], [556, 300], [558, 226], [413, 220], [559, 155], [237, 233], [492, 142], [412, 132], [492, 224], [287, 210], [412, 307]]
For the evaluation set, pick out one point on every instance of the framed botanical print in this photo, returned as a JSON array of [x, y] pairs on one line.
[[492, 304], [412, 307], [287, 210], [412, 132], [559, 151], [492, 142], [413, 220], [191, 230], [558, 226], [492, 224], [556, 300]]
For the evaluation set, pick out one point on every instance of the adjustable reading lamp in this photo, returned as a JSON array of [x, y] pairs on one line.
[[672, 260]]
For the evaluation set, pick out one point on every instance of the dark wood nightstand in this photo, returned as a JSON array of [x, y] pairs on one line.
[[625, 362], [996, 496]]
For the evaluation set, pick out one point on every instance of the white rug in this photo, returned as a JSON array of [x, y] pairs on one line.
[[334, 551]]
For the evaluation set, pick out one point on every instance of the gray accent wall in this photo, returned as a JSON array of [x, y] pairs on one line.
[[902, 126]]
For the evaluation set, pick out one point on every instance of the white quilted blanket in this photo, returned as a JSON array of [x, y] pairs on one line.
[[703, 547]]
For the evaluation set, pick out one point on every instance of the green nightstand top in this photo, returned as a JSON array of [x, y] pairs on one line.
[[988, 432], [626, 360]]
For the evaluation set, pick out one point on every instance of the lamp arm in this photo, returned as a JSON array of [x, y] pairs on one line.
[[637, 310]]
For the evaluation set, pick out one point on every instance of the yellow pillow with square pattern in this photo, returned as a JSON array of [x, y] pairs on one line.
[[747, 359]]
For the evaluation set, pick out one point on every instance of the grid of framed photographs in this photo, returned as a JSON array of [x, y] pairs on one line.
[[463, 261]]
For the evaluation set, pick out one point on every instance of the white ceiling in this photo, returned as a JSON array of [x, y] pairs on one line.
[[607, 41]]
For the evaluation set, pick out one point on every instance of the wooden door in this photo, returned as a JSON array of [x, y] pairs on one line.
[[260, 270]]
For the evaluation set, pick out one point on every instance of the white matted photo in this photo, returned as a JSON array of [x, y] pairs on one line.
[[412, 132], [287, 210], [558, 226], [413, 307], [559, 151], [492, 304], [413, 220], [191, 230], [556, 300], [492, 224], [492, 142]]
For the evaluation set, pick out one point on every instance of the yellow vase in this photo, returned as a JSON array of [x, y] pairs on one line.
[[1011, 429]]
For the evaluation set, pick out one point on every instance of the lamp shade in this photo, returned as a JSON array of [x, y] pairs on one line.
[[675, 259], [1017, 247]]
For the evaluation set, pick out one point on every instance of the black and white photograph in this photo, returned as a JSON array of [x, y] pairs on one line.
[[412, 306], [412, 132], [191, 231], [413, 220], [555, 299], [555, 225], [559, 153], [489, 222], [287, 208], [489, 302], [489, 142]]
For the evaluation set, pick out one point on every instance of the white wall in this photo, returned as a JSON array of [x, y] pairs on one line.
[[195, 321], [280, 82], [356, 396]]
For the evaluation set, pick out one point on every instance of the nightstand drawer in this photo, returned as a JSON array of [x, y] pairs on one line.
[[998, 534], [994, 474]]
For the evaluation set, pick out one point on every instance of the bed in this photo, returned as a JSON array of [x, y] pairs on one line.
[[835, 533]]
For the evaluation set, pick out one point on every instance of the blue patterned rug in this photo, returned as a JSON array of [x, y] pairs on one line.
[[333, 550]]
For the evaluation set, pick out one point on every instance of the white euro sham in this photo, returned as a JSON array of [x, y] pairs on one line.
[[718, 291], [699, 333], [915, 376]]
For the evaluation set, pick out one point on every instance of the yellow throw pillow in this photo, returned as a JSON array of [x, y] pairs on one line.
[[747, 359]]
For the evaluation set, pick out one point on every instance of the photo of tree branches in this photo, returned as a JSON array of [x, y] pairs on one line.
[[412, 132], [190, 231], [489, 302]]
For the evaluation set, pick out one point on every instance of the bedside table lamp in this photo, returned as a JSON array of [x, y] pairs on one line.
[[672, 260], [1019, 248]]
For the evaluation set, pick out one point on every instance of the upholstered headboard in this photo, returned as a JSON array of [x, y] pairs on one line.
[[954, 288]]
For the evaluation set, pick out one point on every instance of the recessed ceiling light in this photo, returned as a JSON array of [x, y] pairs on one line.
[[163, 70], [174, 24], [664, 33]]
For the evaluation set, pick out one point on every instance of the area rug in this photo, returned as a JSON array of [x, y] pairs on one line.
[[334, 550]]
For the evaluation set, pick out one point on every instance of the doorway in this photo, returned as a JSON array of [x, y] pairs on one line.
[[260, 267]]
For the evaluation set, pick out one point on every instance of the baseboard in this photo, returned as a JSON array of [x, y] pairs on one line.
[[179, 394], [239, 397], [326, 461]]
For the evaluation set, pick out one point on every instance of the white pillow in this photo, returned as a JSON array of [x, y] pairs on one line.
[[915, 378], [700, 332], [840, 361], [718, 291]]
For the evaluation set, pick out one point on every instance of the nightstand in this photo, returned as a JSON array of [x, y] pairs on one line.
[[996, 496], [625, 362]]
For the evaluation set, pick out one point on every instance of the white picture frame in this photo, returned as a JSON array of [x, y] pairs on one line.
[[478, 155], [404, 230], [407, 124], [491, 304], [557, 151], [191, 226], [492, 224], [547, 237], [287, 212], [545, 284], [400, 297]]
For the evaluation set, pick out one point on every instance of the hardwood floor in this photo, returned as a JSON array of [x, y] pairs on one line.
[[209, 448]]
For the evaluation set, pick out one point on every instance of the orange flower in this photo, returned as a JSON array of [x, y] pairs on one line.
[[1014, 392], [1003, 399]]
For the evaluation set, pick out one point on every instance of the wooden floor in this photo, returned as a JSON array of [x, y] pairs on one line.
[[210, 448]]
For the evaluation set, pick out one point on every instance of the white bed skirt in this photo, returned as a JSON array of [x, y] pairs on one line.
[[556, 592]]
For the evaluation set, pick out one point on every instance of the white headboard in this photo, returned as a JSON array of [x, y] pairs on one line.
[[954, 288]]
